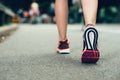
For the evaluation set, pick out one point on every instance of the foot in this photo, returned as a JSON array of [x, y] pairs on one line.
[[63, 47], [90, 52]]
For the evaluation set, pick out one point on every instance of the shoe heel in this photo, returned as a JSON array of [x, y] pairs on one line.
[[91, 54]]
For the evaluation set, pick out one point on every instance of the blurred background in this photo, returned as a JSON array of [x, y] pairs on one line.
[[30, 52], [19, 11]]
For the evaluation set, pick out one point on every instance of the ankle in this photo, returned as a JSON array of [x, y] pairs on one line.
[[62, 39], [89, 26]]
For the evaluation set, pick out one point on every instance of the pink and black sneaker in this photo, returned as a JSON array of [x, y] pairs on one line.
[[63, 47], [90, 52]]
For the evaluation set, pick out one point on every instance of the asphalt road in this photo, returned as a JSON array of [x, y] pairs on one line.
[[29, 54]]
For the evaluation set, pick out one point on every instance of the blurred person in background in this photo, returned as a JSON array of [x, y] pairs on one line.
[[75, 13], [80, 12], [45, 18], [89, 11], [52, 12], [25, 16], [20, 12], [34, 11]]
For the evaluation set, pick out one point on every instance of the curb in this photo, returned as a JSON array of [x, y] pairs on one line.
[[7, 29]]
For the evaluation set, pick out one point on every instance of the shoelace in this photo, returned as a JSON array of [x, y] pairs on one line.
[[87, 42], [63, 44]]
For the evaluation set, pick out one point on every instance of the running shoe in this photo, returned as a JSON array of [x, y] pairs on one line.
[[90, 40], [63, 47]]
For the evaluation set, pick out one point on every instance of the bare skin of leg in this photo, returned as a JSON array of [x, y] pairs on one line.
[[61, 11], [90, 11]]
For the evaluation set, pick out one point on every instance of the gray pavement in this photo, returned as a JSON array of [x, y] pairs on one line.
[[30, 54]]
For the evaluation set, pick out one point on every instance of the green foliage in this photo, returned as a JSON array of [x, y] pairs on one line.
[[109, 14]]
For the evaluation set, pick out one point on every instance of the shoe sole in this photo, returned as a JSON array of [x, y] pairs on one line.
[[63, 51], [90, 56]]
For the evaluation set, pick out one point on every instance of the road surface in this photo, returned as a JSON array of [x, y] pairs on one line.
[[29, 54]]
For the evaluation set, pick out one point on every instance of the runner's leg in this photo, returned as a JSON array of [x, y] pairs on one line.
[[90, 11], [61, 10]]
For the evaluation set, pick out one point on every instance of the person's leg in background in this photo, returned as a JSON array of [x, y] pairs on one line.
[[61, 12], [90, 51]]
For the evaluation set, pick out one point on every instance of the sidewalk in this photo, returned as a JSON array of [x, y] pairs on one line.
[[7, 30]]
